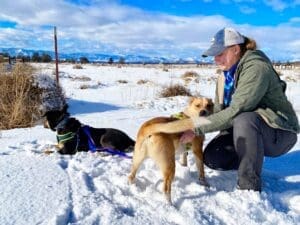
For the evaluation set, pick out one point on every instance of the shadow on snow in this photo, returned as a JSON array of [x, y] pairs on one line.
[[82, 107]]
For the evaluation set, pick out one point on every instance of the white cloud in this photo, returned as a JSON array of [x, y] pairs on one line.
[[247, 10], [295, 20], [295, 2], [277, 5], [115, 28], [61, 13], [275, 41]]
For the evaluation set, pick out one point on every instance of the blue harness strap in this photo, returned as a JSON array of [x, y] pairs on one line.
[[93, 148], [91, 143]]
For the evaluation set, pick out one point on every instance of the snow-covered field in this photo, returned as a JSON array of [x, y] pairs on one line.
[[87, 189]]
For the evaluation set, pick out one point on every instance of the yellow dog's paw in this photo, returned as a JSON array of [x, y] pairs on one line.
[[203, 182], [48, 151]]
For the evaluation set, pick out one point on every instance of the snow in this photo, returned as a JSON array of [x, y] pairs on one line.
[[88, 189]]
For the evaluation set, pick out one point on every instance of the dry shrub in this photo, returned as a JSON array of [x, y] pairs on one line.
[[291, 79], [53, 97], [20, 98], [279, 72], [187, 81], [190, 74], [197, 80], [214, 79], [81, 78], [77, 66], [91, 86], [84, 86], [122, 81], [142, 81], [175, 90]]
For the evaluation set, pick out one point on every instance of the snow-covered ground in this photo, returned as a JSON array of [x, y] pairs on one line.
[[87, 189]]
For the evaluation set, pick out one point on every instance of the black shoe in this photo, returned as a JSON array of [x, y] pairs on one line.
[[254, 186]]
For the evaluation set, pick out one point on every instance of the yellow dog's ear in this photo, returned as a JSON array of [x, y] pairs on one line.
[[191, 99], [211, 102]]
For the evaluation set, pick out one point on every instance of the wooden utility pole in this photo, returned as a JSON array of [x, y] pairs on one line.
[[56, 56]]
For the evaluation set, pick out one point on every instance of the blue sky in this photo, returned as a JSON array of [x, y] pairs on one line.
[[170, 28], [253, 12]]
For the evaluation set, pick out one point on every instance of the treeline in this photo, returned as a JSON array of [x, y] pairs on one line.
[[36, 57], [84, 60], [45, 58]]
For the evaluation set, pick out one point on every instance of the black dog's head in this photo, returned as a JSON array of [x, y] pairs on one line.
[[67, 135], [54, 117], [69, 124]]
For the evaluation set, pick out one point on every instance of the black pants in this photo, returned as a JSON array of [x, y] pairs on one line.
[[244, 146]]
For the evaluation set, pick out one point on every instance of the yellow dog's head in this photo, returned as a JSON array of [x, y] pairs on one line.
[[199, 106]]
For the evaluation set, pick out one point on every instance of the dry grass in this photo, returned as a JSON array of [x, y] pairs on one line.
[[84, 86], [175, 90], [122, 81], [77, 66], [20, 98], [190, 75], [81, 78], [93, 86], [142, 81]]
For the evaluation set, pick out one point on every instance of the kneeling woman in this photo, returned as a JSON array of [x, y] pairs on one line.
[[251, 111]]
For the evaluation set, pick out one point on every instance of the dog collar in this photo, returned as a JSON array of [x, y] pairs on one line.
[[62, 138], [179, 116]]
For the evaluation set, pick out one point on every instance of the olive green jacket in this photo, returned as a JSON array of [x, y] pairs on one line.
[[257, 88]]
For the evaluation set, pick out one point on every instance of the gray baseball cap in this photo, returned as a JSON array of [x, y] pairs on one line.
[[223, 39]]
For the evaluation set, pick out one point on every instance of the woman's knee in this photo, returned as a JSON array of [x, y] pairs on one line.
[[245, 120]]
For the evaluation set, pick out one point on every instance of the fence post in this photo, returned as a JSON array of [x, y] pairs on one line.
[[56, 57]]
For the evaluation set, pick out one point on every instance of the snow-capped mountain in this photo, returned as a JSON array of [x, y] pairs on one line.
[[100, 57]]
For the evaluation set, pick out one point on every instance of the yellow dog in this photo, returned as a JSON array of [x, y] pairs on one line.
[[161, 147]]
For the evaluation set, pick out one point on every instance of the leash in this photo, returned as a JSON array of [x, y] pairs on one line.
[[93, 148], [113, 152]]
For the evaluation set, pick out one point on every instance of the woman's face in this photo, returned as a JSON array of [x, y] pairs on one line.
[[228, 57]]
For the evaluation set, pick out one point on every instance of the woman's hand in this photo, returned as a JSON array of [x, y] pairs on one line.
[[187, 136]]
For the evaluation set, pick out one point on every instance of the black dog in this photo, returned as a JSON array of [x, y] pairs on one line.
[[54, 117], [72, 136]]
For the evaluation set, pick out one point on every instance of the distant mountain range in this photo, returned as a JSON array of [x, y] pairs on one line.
[[99, 57]]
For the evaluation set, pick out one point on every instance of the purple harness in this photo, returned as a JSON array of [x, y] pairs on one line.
[[93, 148]]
